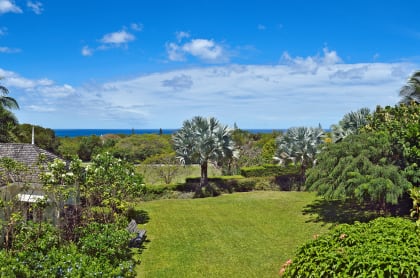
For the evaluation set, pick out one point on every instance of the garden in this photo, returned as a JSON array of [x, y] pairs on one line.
[[221, 202]]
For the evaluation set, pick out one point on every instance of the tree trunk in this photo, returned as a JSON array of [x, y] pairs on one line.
[[204, 179]]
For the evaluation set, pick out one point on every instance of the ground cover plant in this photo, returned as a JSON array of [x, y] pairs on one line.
[[233, 235], [384, 247]]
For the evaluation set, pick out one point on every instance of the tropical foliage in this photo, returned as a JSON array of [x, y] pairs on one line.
[[401, 122], [351, 123], [411, 91], [385, 247], [300, 146], [360, 167], [8, 120], [203, 140]]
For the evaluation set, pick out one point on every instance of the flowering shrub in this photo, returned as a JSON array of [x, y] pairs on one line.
[[384, 247]]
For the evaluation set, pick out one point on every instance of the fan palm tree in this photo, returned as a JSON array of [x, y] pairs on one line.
[[411, 91], [203, 140], [300, 145], [350, 124]]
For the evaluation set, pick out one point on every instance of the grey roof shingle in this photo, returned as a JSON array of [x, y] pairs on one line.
[[28, 155]]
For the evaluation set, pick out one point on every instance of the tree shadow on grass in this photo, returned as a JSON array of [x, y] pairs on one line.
[[340, 211], [139, 215]]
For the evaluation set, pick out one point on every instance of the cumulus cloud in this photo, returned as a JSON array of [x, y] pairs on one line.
[[182, 35], [251, 95], [174, 52], [203, 49], [86, 51], [310, 64], [9, 6], [36, 7], [118, 38], [263, 96]]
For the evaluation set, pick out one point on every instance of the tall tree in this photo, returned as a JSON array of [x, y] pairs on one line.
[[203, 140], [300, 145], [411, 91], [361, 167], [8, 120], [8, 123], [350, 124], [6, 101]]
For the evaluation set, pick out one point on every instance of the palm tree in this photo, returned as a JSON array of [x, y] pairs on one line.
[[203, 140], [411, 91], [350, 124], [8, 120], [6, 101], [300, 145]]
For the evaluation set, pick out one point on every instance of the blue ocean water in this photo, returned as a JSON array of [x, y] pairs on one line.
[[99, 132]]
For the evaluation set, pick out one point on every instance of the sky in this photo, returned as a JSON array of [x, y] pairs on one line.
[[267, 64]]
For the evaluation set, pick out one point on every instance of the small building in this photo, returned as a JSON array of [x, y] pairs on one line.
[[24, 186]]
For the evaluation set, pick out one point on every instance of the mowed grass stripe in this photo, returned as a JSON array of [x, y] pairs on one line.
[[236, 235]]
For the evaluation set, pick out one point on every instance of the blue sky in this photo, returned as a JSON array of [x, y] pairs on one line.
[[154, 64]]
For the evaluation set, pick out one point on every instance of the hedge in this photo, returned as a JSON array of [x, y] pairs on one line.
[[269, 170]]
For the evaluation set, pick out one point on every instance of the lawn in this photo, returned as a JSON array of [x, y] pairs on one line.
[[237, 235]]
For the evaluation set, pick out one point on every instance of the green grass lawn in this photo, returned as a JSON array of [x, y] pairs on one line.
[[238, 235]]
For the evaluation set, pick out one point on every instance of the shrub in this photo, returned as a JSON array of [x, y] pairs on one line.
[[106, 241], [384, 247], [269, 170]]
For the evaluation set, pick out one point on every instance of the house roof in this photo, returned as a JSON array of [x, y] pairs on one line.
[[27, 154]]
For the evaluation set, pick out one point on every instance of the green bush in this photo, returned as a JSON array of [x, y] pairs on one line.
[[384, 247], [102, 252], [269, 170], [107, 241]]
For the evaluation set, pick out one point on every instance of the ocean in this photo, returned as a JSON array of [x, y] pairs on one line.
[[99, 132]]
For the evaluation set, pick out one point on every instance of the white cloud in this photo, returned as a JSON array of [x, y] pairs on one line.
[[13, 79], [253, 96], [182, 35], [86, 51], [4, 49], [118, 38], [136, 27], [310, 64], [174, 52], [57, 91], [261, 27], [9, 6], [36, 7], [38, 108], [178, 82], [203, 49]]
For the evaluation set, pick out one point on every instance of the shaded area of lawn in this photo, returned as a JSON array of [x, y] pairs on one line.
[[349, 211], [238, 235]]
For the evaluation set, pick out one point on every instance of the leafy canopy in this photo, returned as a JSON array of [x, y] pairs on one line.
[[359, 167]]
